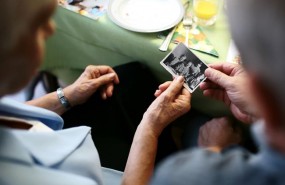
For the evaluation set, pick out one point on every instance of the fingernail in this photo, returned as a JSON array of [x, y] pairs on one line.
[[207, 71], [111, 75], [111, 93], [104, 96], [179, 78]]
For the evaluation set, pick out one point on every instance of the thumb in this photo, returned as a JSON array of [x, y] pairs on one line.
[[104, 79], [218, 77], [175, 86]]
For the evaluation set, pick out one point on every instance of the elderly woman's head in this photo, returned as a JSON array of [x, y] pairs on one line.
[[25, 25]]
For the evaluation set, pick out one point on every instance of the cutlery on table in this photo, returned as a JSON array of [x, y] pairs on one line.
[[167, 40], [187, 23]]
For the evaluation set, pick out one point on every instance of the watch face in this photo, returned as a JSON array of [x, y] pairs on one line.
[[60, 93]]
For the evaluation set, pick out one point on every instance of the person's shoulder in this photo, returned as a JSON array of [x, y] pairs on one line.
[[203, 167], [199, 156]]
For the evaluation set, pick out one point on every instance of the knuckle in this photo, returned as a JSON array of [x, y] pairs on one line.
[[89, 67], [201, 129], [217, 78], [225, 119]]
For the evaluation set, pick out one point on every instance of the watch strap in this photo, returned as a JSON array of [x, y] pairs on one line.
[[63, 100]]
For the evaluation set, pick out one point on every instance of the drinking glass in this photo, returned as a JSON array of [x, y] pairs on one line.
[[206, 11]]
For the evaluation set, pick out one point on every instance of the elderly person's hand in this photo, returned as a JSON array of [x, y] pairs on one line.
[[92, 79], [228, 82], [218, 133], [172, 101]]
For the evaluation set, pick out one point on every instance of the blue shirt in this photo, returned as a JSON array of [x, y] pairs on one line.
[[232, 167], [48, 158]]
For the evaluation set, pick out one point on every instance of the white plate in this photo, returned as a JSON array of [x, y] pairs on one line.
[[146, 15]]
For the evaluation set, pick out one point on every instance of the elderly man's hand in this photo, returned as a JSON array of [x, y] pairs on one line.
[[91, 80], [228, 82], [218, 133], [172, 101]]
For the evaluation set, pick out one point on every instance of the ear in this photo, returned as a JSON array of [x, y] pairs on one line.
[[266, 101]]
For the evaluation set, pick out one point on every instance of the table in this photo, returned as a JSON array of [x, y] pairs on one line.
[[80, 41]]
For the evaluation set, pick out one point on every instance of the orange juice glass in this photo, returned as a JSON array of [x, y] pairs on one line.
[[206, 11]]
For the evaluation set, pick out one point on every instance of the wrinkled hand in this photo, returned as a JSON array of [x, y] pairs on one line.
[[219, 133], [172, 101], [228, 83], [92, 79]]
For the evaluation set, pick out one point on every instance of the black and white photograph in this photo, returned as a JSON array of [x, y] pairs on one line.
[[182, 62]]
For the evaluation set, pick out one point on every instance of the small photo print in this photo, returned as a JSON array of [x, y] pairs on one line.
[[182, 62]]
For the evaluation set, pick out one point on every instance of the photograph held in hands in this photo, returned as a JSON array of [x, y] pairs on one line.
[[182, 62]]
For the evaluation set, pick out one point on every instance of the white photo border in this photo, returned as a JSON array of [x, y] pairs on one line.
[[191, 58]]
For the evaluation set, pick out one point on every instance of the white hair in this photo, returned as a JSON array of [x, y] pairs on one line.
[[258, 28], [19, 20], [16, 17]]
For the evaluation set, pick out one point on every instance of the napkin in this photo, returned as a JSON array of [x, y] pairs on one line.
[[233, 54], [90, 8], [197, 39]]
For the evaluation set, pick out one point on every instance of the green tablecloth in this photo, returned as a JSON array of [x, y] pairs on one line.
[[80, 41]]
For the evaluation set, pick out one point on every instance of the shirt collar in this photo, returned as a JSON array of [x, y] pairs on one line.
[[46, 148], [268, 157], [10, 107], [11, 148]]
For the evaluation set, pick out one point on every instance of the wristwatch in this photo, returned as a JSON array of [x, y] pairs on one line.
[[63, 100]]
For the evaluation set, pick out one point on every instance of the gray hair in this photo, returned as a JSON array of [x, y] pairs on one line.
[[258, 28], [16, 17]]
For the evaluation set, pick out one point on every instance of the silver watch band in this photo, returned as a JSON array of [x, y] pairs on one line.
[[63, 100]]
